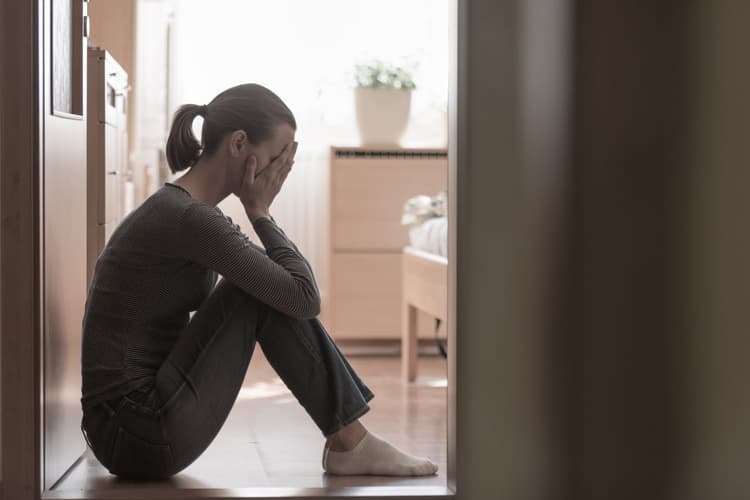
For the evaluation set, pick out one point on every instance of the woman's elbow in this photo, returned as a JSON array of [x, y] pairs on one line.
[[313, 308]]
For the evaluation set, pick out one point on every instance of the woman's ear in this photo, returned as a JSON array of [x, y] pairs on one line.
[[238, 143]]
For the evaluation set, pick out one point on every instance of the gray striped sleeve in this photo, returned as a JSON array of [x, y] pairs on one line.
[[280, 277], [309, 267]]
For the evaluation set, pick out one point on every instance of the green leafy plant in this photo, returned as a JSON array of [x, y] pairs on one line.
[[381, 75]]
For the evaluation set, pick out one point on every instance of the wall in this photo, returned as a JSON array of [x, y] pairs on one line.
[[603, 346], [113, 28], [508, 138], [718, 407], [655, 395], [625, 363]]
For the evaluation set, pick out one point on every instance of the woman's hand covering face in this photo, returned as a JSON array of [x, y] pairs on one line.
[[259, 188]]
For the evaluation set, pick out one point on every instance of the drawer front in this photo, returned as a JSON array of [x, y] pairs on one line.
[[368, 196], [115, 94], [110, 203], [366, 299], [366, 296]]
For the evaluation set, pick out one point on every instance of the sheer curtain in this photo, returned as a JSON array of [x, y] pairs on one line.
[[305, 51]]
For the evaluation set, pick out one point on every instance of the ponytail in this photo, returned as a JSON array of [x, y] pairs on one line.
[[183, 148], [249, 107]]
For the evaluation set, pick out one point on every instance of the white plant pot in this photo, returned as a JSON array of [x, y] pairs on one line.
[[382, 115]]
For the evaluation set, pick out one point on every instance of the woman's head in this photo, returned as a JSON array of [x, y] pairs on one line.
[[246, 116]]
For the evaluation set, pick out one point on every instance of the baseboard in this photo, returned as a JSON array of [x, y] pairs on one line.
[[361, 493]]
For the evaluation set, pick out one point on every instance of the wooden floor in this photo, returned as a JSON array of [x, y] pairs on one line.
[[269, 441]]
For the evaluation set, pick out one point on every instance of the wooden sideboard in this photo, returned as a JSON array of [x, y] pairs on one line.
[[368, 189]]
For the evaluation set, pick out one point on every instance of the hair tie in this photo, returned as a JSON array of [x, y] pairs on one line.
[[203, 110]]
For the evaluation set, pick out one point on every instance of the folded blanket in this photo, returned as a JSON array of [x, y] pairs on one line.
[[431, 236], [421, 208], [428, 221]]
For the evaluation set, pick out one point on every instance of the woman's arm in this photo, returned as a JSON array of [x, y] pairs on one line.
[[277, 229], [293, 246], [281, 277], [261, 249]]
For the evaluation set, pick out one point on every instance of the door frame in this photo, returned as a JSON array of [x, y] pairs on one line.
[[489, 419], [21, 146]]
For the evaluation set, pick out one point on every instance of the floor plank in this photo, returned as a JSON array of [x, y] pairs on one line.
[[269, 441]]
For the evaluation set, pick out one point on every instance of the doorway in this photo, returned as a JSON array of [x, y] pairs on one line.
[[436, 381]]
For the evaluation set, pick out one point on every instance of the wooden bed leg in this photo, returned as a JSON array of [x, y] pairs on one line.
[[409, 348]]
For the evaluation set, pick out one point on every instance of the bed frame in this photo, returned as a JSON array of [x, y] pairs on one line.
[[425, 287]]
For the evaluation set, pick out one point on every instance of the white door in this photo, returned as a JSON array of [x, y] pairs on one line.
[[63, 231]]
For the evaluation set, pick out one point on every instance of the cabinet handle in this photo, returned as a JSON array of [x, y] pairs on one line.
[[112, 172]]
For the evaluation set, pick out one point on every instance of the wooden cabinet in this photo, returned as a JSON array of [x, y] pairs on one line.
[[106, 149], [366, 296], [368, 190]]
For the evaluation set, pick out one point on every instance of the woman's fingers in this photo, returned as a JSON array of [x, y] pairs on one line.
[[290, 160], [282, 162], [287, 155], [286, 171], [294, 149], [281, 165], [251, 167]]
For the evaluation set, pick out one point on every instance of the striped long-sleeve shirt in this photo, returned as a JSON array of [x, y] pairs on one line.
[[159, 265]]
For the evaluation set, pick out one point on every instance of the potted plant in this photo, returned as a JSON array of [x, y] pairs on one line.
[[382, 100]]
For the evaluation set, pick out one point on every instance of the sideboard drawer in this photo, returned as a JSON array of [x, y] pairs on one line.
[[366, 295], [367, 200]]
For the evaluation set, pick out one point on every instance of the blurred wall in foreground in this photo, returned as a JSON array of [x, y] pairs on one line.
[[718, 312], [655, 358]]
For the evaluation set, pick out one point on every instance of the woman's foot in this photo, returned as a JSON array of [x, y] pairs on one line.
[[355, 451]]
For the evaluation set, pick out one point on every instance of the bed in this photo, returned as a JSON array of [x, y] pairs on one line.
[[424, 285]]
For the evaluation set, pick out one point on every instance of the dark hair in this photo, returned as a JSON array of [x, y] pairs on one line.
[[249, 107]]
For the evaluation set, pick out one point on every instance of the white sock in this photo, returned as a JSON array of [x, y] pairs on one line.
[[374, 456]]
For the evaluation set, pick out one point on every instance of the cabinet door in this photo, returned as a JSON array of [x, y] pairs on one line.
[[115, 92], [366, 301], [368, 196], [110, 208]]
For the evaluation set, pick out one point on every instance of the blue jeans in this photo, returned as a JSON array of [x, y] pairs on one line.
[[157, 431]]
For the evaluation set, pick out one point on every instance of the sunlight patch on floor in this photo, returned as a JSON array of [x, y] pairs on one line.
[[437, 382], [260, 390]]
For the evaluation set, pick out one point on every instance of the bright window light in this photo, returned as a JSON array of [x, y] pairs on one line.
[[306, 51]]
